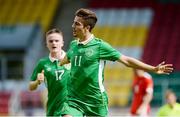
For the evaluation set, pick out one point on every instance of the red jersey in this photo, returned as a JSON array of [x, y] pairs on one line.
[[141, 85]]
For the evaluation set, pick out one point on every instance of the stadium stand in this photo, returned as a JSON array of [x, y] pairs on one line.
[[28, 12], [163, 44], [19, 50], [163, 34]]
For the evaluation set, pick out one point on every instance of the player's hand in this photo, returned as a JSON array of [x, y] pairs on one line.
[[40, 77], [163, 68]]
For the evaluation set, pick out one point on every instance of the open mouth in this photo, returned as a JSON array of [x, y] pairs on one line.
[[54, 47]]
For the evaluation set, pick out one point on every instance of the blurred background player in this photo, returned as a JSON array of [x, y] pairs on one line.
[[171, 108], [55, 77], [88, 55], [142, 93]]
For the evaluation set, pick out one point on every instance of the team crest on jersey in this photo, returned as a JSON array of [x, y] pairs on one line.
[[89, 52], [80, 51], [48, 69]]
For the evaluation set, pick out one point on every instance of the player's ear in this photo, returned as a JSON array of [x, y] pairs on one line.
[[88, 27]]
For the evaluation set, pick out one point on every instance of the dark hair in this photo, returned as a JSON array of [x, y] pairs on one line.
[[88, 16], [54, 30]]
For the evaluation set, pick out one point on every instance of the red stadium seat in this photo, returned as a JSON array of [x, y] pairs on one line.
[[4, 103]]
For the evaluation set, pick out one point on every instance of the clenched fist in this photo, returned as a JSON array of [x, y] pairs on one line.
[[40, 77]]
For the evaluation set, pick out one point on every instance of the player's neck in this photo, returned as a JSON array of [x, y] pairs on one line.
[[56, 55], [85, 37], [172, 105]]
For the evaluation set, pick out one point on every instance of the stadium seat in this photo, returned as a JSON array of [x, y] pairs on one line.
[[4, 102]]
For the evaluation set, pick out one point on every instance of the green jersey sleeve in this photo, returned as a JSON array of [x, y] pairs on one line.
[[107, 52], [38, 68]]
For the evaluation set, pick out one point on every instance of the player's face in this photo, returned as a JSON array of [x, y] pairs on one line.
[[171, 99], [79, 30], [54, 42]]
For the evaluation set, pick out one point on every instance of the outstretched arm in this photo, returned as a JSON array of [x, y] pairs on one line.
[[34, 84], [162, 68]]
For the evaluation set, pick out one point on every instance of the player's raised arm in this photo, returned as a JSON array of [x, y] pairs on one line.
[[162, 68]]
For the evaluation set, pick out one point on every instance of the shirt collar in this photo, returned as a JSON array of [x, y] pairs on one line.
[[86, 41], [52, 59]]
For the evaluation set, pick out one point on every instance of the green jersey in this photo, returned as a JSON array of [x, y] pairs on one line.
[[167, 111], [56, 82], [87, 70]]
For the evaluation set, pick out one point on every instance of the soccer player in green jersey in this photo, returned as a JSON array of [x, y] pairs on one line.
[[54, 76], [87, 54]]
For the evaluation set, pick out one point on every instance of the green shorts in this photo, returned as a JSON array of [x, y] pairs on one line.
[[78, 108]]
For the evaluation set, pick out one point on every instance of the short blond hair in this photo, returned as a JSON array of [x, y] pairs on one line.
[[54, 30]]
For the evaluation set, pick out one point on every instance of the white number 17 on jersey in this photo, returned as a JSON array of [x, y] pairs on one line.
[[59, 74]]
